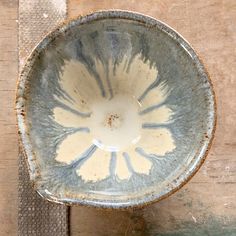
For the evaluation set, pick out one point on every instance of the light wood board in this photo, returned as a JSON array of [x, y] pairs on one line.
[[207, 204], [8, 137]]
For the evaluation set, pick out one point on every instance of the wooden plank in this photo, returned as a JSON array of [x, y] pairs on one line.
[[8, 137], [206, 205]]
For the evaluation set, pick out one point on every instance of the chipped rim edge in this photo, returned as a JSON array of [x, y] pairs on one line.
[[24, 139]]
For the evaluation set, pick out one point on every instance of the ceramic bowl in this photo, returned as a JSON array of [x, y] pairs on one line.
[[114, 110]]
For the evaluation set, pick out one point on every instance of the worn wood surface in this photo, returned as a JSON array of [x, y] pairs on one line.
[[207, 204], [8, 137]]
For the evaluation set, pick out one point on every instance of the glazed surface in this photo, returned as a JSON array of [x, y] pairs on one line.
[[116, 110]]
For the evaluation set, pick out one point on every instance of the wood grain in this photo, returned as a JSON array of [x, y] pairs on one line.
[[8, 137], [206, 205]]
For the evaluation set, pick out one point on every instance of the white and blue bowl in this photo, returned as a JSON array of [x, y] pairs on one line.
[[114, 110]]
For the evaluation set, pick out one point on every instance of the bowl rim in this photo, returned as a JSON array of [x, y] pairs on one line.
[[21, 97]]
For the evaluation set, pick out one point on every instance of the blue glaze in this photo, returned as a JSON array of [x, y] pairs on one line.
[[83, 157], [128, 162], [110, 37], [76, 112], [151, 156], [151, 108], [153, 125], [113, 163], [89, 62], [149, 88]]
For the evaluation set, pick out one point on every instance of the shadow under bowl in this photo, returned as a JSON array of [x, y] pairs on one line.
[[114, 110]]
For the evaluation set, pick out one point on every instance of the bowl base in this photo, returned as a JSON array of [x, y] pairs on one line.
[[115, 122]]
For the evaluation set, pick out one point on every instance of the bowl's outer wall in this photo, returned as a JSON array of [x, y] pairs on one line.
[[191, 97]]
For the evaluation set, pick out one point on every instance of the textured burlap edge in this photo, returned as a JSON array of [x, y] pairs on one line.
[[36, 216]]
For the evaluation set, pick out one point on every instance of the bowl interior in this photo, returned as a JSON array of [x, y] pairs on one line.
[[118, 111]]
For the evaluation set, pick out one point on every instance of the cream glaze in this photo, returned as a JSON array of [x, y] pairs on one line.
[[115, 123]]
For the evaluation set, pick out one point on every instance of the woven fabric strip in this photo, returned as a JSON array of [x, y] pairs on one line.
[[36, 216]]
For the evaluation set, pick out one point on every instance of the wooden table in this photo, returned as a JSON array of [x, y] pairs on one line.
[[207, 204]]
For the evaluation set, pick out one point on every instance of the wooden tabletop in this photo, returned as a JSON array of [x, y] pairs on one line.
[[204, 206]]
